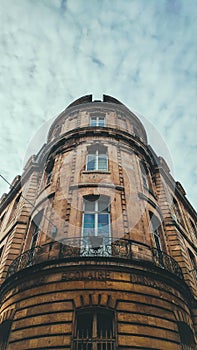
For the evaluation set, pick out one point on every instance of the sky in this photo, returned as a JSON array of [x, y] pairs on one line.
[[142, 52]]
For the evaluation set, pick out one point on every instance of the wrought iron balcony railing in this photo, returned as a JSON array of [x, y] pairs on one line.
[[95, 247]]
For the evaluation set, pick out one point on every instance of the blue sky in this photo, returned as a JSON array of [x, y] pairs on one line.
[[142, 52]]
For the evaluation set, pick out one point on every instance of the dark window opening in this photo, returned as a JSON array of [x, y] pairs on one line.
[[193, 263], [49, 171], [144, 174], [186, 336], [156, 230], [4, 333], [94, 330], [1, 251]]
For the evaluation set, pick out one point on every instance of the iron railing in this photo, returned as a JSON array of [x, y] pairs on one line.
[[94, 344], [92, 246]]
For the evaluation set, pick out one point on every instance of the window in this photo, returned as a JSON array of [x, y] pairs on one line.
[[15, 207], [135, 130], [4, 333], [1, 251], [97, 120], [186, 336], [94, 330], [49, 171], [2, 218], [193, 228], [97, 158], [36, 229], [144, 175], [193, 263], [156, 227], [96, 217], [176, 211]]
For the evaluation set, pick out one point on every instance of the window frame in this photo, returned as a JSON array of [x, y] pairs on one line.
[[97, 118], [155, 229], [96, 213], [5, 329], [35, 229], [95, 332], [49, 171], [98, 154], [144, 176]]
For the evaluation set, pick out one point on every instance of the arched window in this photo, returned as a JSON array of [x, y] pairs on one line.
[[5, 328], [94, 329], [96, 216], [97, 158], [186, 336]]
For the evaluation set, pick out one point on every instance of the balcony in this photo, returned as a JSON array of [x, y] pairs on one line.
[[96, 247]]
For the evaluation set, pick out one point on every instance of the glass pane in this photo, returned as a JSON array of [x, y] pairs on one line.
[[103, 224], [104, 324], [103, 205], [101, 121], [84, 325], [102, 162], [89, 206], [91, 162], [89, 224], [157, 241], [93, 121]]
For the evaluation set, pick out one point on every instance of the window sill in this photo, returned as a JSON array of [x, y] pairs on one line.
[[96, 172]]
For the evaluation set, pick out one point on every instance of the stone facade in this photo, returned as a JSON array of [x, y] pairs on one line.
[[98, 241]]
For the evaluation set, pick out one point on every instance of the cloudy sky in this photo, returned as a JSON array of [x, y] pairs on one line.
[[142, 52]]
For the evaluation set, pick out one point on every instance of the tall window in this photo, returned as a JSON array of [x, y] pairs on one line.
[[97, 120], [144, 175], [97, 158], [4, 333], [36, 229], [193, 263], [1, 251], [177, 211], [49, 171], [156, 228], [96, 217], [15, 207], [193, 228], [94, 330], [2, 218], [187, 340]]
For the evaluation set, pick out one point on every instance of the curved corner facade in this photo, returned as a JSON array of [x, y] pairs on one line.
[[98, 242]]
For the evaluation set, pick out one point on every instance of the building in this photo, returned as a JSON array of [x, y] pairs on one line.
[[98, 241]]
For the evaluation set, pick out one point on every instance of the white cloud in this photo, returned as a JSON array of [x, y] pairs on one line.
[[141, 52]]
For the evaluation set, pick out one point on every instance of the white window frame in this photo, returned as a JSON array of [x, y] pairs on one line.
[[97, 118], [95, 230], [96, 154]]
